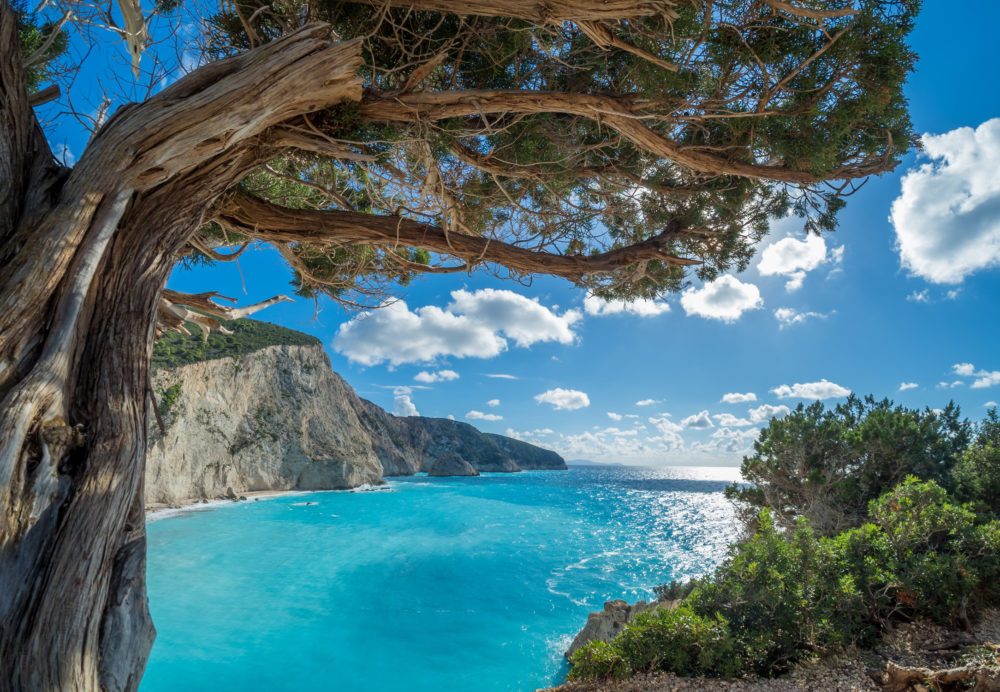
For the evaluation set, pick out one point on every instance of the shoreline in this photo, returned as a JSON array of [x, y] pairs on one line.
[[156, 513]]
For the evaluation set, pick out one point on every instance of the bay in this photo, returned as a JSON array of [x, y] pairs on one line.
[[472, 584]]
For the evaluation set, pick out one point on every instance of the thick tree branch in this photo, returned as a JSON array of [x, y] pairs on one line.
[[621, 115], [811, 14], [22, 145], [173, 311], [540, 10], [260, 219]]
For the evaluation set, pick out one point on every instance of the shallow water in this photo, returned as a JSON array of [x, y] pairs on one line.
[[472, 584]]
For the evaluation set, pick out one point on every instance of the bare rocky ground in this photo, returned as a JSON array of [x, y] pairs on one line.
[[953, 660]]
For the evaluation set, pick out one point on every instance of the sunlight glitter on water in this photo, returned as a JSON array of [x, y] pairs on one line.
[[448, 583]]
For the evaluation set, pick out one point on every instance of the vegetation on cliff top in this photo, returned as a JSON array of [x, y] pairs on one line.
[[908, 527], [247, 336]]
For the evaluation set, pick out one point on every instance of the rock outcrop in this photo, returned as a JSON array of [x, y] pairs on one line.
[[275, 419], [605, 625], [279, 418], [452, 464], [529, 457]]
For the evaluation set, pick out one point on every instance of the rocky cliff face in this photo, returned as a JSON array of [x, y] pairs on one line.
[[605, 625], [280, 419], [275, 419]]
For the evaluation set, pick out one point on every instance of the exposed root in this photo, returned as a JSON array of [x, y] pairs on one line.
[[905, 678]]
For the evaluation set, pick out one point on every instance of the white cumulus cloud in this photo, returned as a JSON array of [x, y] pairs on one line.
[[564, 399], [500, 376], [824, 389], [984, 378], [402, 404], [763, 414], [698, 421], [665, 425], [647, 402], [794, 258], [787, 316], [614, 416], [737, 398], [728, 420], [475, 324], [479, 415], [947, 216], [903, 386], [724, 299], [593, 305], [439, 376], [493, 402]]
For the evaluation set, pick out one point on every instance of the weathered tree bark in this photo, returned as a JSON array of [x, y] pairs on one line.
[[266, 221], [540, 11], [625, 116], [84, 256]]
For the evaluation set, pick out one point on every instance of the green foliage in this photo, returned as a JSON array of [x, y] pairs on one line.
[[977, 474], [828, 464], [174, 349], [859, 517], [33, 34], [783, 595], [670, 640], [674, 591], [168, 398], [598, 661], [679, 641], [752, 85], [940, 558]]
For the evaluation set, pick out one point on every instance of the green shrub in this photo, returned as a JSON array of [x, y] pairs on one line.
[[679, 641], [827, 464], [674, 590], [173, 349], [598, 661], [782, 594], [977, 474], [931, 542]]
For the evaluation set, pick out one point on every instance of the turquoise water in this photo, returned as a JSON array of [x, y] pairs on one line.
[[452, 584]]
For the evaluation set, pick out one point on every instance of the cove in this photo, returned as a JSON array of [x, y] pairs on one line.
[[436, 583]]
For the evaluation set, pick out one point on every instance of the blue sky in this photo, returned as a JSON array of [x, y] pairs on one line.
[[881, 302]]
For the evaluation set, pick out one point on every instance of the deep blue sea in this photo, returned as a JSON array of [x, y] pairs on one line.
[[458, 584]]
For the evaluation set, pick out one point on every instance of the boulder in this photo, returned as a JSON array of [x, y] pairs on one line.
[[452, 464], [606, 624]]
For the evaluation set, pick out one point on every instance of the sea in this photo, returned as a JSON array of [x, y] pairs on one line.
[[460, 584]]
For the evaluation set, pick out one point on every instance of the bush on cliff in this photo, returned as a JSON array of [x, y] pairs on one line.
[[173, 349], [827, 464], [674, 641], [783, 595]]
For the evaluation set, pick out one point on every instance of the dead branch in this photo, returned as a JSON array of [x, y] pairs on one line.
[[174, 311]]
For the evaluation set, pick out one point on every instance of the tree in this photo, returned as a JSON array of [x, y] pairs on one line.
[[977, 474], [615, 144], [827, 464]]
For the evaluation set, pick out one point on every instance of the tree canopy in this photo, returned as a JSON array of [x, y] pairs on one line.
[[625, 145], [616, 145], [828, 464]]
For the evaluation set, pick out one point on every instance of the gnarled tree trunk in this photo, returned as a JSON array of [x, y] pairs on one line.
[[84, 256]]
